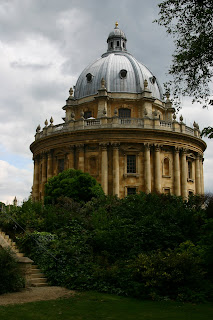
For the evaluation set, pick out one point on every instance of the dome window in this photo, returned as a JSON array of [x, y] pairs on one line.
[[89, 77], [123, 73], [152, 79], [118, 43]]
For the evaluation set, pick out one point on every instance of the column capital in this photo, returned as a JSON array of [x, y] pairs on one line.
[[157, 147], [184, 150], [80, 146], [104, 145], [147, 146], [71, 148], [177, 149], [115, 145]]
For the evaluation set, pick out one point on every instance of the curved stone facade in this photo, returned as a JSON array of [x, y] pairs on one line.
[[128, 141]]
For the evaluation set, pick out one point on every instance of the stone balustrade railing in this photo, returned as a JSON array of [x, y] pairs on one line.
[[115, 122]]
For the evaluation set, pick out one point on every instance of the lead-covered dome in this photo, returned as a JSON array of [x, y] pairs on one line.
[[121, 71]]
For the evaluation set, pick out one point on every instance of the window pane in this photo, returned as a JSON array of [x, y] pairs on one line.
[[124, 113], [131, 164], [131, 191], [87, 114]]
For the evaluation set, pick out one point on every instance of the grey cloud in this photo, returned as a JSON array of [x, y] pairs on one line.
[[49, 90], [26, 65]]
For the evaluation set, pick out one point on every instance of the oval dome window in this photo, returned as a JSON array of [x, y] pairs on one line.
[[89, 77], [123, 73]]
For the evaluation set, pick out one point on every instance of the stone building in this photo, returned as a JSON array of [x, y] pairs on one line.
[[119, 128]]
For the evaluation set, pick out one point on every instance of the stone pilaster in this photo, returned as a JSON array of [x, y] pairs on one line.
[[177, 172], [44, 173], [184, 174], [71, 158], [36, 180], [158, 172], [197, 175], [147, 168], [201, 175], [104, 167], [115, 147], [49, 165], [81, 157]]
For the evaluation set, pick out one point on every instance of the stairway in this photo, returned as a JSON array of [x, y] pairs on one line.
[[34, 277]]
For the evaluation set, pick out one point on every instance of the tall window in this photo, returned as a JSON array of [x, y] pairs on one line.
[[131, 164], [189, 170], [124, 113], [60, 165]]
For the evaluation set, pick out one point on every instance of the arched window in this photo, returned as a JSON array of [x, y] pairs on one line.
[[124, 113], [166, 167]]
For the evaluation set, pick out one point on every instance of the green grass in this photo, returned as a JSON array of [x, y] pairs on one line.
[[91, 306]]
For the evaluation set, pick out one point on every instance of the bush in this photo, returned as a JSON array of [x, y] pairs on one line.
[[11, 279], [148, 246], [72, 184]]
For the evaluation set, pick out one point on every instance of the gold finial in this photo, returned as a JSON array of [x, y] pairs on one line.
[[116, 24]]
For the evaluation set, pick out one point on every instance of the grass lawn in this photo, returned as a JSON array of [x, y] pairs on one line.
[[92, 305]]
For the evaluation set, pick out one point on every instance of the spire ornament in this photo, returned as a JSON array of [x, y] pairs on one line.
[[116, 25]]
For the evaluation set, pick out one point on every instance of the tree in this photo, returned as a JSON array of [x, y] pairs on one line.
[[72, 184], [190, 22]]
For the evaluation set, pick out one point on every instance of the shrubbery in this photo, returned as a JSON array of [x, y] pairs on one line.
[[147, 246], [10, 274]]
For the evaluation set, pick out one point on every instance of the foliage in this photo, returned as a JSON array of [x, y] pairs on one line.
[[145, 245], [11, 279], [190, 22], [207, 132], [72, 184]]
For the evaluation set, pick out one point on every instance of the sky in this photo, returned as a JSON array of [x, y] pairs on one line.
[[44, 46]]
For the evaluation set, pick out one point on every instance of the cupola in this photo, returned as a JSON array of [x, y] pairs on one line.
[[116, 40]]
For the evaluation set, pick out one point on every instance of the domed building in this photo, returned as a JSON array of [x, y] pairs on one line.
[[118, 128]]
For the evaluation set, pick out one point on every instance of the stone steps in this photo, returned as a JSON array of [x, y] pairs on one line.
[[35, 277]]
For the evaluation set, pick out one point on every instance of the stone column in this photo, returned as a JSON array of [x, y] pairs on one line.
[[71, 158], [104, 167], [184, 175], [49, 165], [36, 180], [201, 175], [115, 147], [158, 172], [44, 173], [197, 175], [81, 157], [177, 172], [147, 168]]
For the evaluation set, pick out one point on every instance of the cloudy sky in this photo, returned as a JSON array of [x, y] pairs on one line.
[[44, 46]]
